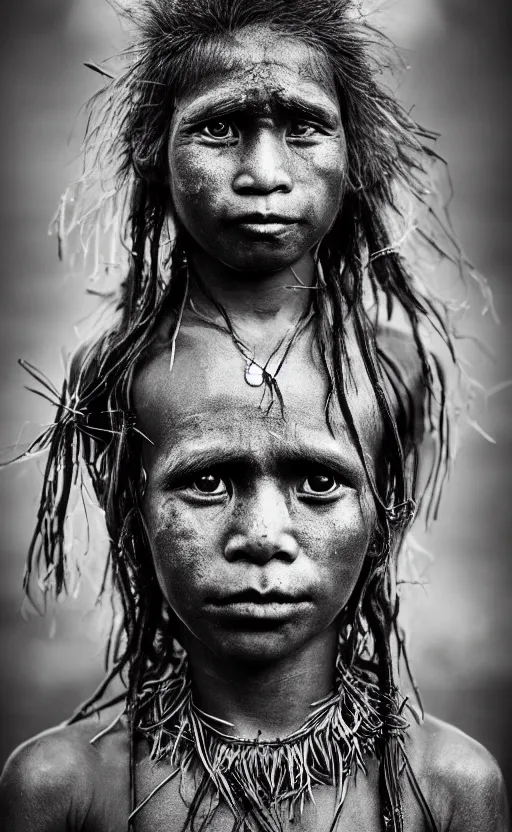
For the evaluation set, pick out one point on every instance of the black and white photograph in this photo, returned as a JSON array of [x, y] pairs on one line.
[[255, 416]]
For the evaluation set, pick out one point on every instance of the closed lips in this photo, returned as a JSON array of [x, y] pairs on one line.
[[252, 596], [264, 219]]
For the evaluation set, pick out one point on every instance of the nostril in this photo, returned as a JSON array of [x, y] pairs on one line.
[[262, 181], [244, 184], [261, 549], [258, 189]]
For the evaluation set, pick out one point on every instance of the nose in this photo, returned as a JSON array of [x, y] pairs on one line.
[[263, 530], [264, 166]]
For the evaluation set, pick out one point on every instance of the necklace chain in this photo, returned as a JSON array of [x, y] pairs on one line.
[[255, 373]]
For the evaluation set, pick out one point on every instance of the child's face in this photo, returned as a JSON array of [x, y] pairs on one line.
[[257, 154], [258, 525]]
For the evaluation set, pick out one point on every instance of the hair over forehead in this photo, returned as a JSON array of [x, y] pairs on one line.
[[176, 43]]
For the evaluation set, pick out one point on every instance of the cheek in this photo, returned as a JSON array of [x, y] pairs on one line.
[[180, 541], [196, 181], [322, 177], [331, 172], [344, 542]]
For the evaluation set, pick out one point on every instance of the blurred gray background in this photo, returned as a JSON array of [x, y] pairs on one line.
[[460, 81]]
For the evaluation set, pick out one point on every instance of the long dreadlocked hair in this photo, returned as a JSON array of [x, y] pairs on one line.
[[386, 225]]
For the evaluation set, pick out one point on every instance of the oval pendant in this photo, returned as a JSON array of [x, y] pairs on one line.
[[253, 374]]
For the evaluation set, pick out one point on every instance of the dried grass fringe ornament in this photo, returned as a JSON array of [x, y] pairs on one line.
[[265, 783]]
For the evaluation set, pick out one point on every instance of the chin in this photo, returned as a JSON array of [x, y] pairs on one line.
[[256, 648], [266, 261], [268, 256]]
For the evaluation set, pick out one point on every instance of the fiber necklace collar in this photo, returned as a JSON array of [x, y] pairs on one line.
[[263, 782]]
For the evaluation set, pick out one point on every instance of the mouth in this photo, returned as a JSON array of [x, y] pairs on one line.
[[260, 224], [251, 604]]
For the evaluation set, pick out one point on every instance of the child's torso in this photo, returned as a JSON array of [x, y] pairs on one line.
[[167, 811]]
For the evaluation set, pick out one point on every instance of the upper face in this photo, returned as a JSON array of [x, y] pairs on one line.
[[258, 524], [257, 154]]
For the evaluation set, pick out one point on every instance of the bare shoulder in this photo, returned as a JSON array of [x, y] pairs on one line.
[[57, 780], [463, 781]]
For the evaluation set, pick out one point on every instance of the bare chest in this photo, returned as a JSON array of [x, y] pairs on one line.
[[168, 810]]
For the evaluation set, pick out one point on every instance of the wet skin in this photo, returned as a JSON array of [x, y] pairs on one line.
[[259, 524], [257, 154]]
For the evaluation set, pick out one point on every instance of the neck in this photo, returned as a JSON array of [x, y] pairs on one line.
[[283, 295], [265, 700]]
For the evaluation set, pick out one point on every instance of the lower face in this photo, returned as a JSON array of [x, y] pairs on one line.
[[258, 525], [257, 155]]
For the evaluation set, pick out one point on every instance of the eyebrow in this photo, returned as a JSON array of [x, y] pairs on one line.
[[216, 105], [184, 463]]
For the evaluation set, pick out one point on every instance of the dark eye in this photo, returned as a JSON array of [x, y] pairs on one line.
[[302, 129], [218, 128], [319, 484], [210, 484]]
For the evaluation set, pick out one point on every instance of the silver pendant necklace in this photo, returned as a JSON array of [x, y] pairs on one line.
[[256, 373], [253, 374]]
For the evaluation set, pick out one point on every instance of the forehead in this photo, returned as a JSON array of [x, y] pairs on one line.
[[260, 60], [205, 403]]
